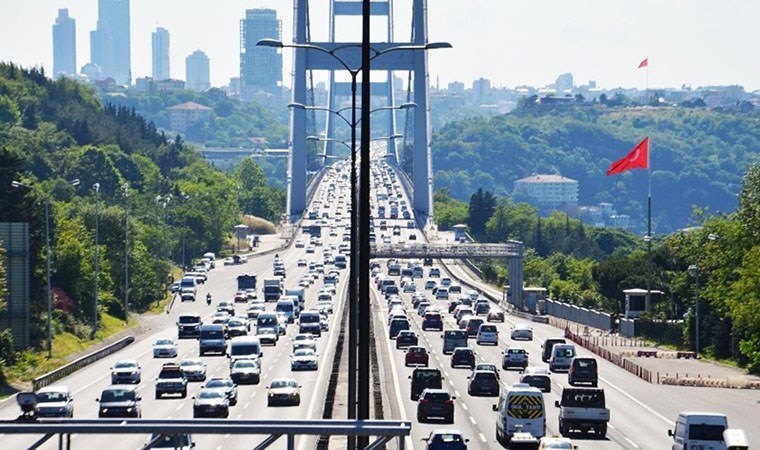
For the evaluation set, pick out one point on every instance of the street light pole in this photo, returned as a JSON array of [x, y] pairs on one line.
[[125, 189], [694, 272], [96, 187]]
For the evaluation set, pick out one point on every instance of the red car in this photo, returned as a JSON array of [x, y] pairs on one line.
[[416, 355], [241, 296]]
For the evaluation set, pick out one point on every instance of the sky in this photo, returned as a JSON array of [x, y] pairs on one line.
[[510, 42]]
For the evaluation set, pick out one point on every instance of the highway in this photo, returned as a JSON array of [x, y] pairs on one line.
[[641, 413]]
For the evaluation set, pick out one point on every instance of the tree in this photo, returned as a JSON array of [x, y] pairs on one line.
[[749, 203]]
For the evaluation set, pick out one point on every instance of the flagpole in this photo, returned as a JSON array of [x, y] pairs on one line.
[[648, 302], [646, 101]]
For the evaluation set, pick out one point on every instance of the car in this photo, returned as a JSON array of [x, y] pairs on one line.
[[164, 348], [194, 369], [521, 332], [537, 377], [227, 307], [304, 359], [416, 356], [495, 315], [246, 371], [225, 385], [432, 320], [237, 326], [483, 382], [54, 401], [119, 400], [435, 403], [311, 248], [126, 371], [429, 284], [299, 243], [255, 309], [555, 443], [406, 338], [302, 262], [284, 391], [487, 367], [211, 403], [187, 294], [229, 261], [463, 356], [171, 380], [446, 439], [304, 340], [514, 357], [181, 441], [240, 297], [583, 370], [434, 272], [487, 334]]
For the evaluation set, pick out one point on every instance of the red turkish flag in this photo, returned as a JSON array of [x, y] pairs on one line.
[[644, 63], [638, 158]]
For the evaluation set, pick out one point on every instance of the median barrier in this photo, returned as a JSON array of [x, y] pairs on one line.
[[68, 369]]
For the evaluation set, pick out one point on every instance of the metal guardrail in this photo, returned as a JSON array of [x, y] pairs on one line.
[[68, 369], [383, 430], [445, 251]]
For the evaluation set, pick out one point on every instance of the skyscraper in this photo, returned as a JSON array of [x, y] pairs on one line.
[[161, 54], [64, 44], [109, 42], [260, 67], [197, 71]]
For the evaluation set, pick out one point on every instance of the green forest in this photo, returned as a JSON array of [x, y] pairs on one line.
[[172, 205], [697, 156], [590, 266]]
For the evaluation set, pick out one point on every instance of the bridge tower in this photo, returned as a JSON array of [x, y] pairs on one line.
[[305, 59]]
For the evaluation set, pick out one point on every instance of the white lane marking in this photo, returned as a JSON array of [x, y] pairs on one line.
[[456, 393], [482, 437], [472, 419], [610, 426], [631, 442], [247, 404], [219, 448], [464, 405], [446, 374], [638, 402]]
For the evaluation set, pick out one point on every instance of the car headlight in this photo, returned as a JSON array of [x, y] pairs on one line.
[[104, 410], [114, 373], [129, 410]]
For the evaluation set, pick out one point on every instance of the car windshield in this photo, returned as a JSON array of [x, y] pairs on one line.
[[558, 445], [50, 397], [236, 323], [244, 364], [171, 441], [210, 393], [267, 321], [219, 383], [164, 342], [704, 432], [304, 352], [447, 438], [437, 397], [117, 395], [489, 367], [125, 365], [583, 398], [188, 319], [283, 384], [191, 362]]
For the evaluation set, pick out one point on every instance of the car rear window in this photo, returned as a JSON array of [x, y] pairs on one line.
[[703, 432], [583, 398], [488, 328], [585, 363], [438, 397]]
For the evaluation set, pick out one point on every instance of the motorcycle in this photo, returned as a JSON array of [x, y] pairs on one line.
[[208, 299]]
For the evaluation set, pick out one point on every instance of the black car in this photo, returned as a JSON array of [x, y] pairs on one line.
[[483, 382], [463, 356], [406, 339], [432, 321], [583, 370], [211, 403], [119, 401], [435, 403], [424, 378]]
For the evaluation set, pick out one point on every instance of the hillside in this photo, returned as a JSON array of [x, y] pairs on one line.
[[698, 156]]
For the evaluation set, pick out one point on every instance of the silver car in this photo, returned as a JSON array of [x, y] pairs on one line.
[[194, 369], [126, 371], [54, 401]]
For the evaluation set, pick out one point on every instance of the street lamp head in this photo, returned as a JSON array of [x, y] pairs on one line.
[[270, 43], [96, 186], [693, 270], [74, 182], [16, 184], [712, 236], [407, 105], [437, 45], [296, 106], [647, 238]]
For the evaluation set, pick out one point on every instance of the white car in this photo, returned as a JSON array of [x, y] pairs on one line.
[[299, 243], [165, 348], [521, 332], [310, 248], [304, 359], [302, 262]]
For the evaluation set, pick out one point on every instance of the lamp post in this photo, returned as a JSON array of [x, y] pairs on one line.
[[18, 184], [125, 190], [96, 187], [694, 272], [361, 291], [648, 300]]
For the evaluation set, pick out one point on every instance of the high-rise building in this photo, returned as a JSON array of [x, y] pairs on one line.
[[109, 42], [481, 91], [161, 54], [564, 83], [197, 72], [64, 44], [260, 67]]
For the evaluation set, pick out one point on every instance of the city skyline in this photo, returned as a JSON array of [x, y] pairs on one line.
[[602, 42]]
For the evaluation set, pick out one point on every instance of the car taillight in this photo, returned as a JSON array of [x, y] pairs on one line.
[[448, 402], [423, 400]]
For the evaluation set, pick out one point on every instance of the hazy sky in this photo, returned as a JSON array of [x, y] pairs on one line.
[[510, 42]]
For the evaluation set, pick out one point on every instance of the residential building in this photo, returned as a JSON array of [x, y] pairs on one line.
[[145, 84], [564, 83], [197, 72], [260, 67], [481, 91], [161, 68], [109, 42], [548, 191], [189, 114], [64, 44], [456, 88]]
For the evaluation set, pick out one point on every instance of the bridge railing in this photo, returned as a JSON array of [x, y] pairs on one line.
[[451, 250]]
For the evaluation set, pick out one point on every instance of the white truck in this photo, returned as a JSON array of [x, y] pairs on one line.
[[583, 409], [272, 289]]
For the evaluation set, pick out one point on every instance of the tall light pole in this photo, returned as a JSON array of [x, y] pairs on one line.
[[18, 184], [125, 190], [360, 294], [694, 272], [96, 187]]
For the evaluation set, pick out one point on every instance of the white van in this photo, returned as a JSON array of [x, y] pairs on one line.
[[244, 347], [520, 409], [562, 356], [699, 430], [286, 307]]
